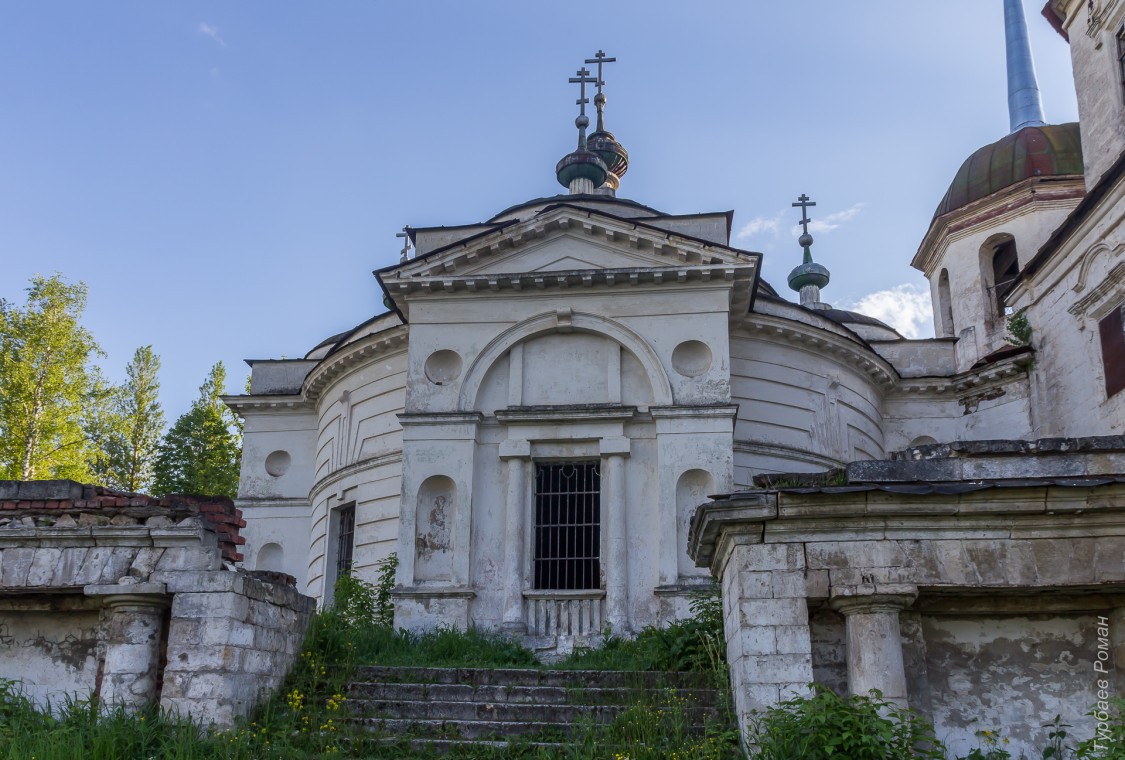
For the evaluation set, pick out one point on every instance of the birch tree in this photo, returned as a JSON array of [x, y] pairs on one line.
[[47, 383]]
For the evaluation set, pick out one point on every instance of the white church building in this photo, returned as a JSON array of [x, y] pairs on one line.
[[549, 394]]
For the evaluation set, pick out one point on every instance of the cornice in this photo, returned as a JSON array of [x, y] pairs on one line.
[[573, 278], [855, 355], [1087, 303], [678, 249], [529, 415], [787, 452], [414, 419], [349, 356], [393, 457], [1016, 200], [717, 411], [271, 404], [975, 380]]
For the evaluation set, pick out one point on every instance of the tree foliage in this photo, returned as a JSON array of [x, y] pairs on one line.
[[130, 435], [201, 453], [51, 395]]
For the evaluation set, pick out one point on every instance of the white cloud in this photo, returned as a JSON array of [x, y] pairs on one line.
[[905, 307], [832, 221], [212, 32], [761, 224]]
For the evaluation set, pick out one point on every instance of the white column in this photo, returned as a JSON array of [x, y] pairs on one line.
[[133, 636], [518, 455], [614, 505], [874, 642]]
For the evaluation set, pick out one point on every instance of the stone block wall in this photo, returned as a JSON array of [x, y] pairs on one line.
[[130, 599], [982, 602], [231, 639]]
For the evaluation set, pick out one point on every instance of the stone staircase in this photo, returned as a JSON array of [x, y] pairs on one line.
[[443, 708]]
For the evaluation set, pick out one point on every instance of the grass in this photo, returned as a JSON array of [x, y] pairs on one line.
[[308, 717]]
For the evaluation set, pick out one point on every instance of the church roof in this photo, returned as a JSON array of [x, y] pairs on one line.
[[624, 204], [1034, 151]]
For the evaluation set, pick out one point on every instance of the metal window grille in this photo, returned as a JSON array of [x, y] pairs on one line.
[[345, 535], [567, 525]]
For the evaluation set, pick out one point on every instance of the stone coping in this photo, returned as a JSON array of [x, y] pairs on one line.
[[1040, 511], [39, 505]]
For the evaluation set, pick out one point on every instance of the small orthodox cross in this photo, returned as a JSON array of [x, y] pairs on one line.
[[804, 204], [600, 58], [404, 254], [582, 79]]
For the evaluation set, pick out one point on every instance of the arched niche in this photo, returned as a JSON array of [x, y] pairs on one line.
[[481, 384], [946, 327], [436, 507], [270, 557], [692, 489], [999, 268]]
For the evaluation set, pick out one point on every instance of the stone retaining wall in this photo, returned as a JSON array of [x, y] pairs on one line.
[[991, 603], [135, 600]]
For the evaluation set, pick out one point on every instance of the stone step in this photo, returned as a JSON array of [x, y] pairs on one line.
[[430, 729], [534, 677], [446, 746], [536, 695], [444, 708], [504, 712]]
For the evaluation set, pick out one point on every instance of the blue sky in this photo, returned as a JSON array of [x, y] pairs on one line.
[[224, 176]]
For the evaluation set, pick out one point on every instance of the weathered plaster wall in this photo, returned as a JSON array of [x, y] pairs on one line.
[[1009, 674], [1101, 102], [359, 461], [973, 407], [986, 584], [799, 410], [50, 645], [1065, 300], [101, 590], [964, 250]]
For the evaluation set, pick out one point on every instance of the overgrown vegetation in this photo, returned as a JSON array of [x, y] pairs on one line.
[[695, 644], [308, 717], [1018, 331], [827, 726]]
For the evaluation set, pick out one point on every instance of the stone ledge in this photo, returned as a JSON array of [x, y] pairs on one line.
[[130, 589]]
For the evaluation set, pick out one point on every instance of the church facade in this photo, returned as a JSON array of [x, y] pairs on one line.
[[551, 393]]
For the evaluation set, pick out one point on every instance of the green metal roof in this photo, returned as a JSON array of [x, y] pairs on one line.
[[1045, 151]]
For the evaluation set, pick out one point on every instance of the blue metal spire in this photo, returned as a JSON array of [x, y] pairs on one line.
[[1025, 106]]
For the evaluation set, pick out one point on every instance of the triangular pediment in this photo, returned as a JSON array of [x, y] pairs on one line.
[[566, 238], [565, 250]]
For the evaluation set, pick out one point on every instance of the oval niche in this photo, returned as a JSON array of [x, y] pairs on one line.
[[443, 367], [691, 358]]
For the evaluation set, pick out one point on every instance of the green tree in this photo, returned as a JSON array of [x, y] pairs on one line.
[[201, 453], [130, 436], [50, 395]]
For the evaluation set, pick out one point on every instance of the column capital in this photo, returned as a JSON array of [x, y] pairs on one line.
[[515, 448], [609, 447], [849, 600], [131, 594]]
